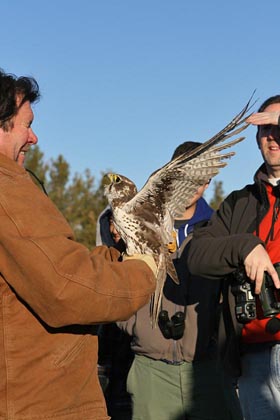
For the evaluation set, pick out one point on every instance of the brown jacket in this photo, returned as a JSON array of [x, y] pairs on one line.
[[52, 291]]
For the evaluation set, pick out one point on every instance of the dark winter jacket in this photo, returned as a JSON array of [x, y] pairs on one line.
[[221, 247]]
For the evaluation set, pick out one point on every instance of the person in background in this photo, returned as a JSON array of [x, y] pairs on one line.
[[242, 244], [175, 373], [115, 355], [52, 289]]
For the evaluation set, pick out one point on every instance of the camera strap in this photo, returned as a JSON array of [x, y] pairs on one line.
[[37, 179], [270, 235], [275, 214]]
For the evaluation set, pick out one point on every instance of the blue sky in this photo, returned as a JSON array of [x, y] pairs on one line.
[[124, 82]]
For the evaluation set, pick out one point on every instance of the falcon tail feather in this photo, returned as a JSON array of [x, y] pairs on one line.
[[165, 266]]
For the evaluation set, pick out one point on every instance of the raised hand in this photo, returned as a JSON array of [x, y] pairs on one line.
[[264, 118]]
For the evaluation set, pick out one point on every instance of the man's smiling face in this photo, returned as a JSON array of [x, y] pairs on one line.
[[15, 142], [269, 143]]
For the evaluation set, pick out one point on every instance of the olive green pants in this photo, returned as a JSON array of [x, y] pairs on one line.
[[190, 391]]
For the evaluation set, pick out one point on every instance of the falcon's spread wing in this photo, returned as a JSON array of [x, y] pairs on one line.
[[145, 219]]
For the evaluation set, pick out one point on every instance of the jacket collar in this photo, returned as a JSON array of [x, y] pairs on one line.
[[10, 165], [261, 175]]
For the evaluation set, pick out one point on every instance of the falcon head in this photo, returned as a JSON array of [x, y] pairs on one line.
[[118, 189]]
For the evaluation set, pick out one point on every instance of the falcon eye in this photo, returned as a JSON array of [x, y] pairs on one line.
[[117, 179]]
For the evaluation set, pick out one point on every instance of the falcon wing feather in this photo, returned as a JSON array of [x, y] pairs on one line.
[[171, 187]]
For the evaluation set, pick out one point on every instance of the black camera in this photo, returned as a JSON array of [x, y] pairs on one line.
[[269, 296], [174, 327], [245, 300]]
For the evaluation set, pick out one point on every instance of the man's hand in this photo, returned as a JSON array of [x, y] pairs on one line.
[[147, 258], [264, 118], [256, 263]]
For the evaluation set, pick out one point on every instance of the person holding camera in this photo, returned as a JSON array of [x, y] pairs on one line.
[[175, 374], [244, 235]]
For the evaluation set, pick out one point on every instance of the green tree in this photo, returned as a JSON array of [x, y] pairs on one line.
[[80, 211], [218, 195], [57, 183], [34, 162], [100, 201]]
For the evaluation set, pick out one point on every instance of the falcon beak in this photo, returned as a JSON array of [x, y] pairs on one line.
[[106, 180], [109, 179], [112, 177]]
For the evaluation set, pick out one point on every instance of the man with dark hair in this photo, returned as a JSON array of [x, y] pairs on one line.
[[175, 373], [243, 238], [52, 289], [14, 92]]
